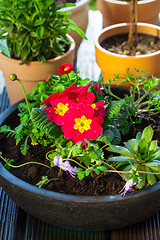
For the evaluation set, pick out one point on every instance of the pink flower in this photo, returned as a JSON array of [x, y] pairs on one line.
[[81, 123], [65, 68], [59, 108], [98, 86], [89, 98]]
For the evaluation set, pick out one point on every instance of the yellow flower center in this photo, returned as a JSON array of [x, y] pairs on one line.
[[66, 69], [82, 124], [93, 105], [61, 109]]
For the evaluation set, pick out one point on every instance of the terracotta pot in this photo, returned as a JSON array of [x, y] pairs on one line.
[[115, 11], [31, 73], [111, 63], [79, 15], [80, 212]]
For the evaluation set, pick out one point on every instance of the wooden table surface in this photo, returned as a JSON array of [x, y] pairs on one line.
[[15, 224]]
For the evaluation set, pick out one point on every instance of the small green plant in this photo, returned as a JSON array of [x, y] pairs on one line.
[[143, 98], [35, 30], [140, 154]]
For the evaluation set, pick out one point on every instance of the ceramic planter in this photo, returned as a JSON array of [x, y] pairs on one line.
[[79, 15], [111, 63], [80, 212], [31, 73], [115, 11]]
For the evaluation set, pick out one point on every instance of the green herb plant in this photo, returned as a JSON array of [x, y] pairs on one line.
[[35, 30]]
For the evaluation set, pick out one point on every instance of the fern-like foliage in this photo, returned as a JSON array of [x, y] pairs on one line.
[[7, 130], [39, 118], [112, 110], [24, 147]]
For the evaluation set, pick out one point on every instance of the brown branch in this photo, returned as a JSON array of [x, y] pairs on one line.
[[132, 37]]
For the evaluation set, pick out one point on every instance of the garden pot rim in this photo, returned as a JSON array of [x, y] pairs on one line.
[[119, 2], [78, 4], [71, 48], [123, 25], [13, 180]]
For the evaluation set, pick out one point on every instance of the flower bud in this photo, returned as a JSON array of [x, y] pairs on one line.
[[13, 77]]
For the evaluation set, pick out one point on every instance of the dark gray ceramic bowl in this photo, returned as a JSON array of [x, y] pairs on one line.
[[80, 212]]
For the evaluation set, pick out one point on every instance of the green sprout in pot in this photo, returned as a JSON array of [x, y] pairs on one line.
[[142, 155], [35, 30], [79, 123], [142, 97]]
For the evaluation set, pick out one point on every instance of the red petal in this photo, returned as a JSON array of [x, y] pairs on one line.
[[67, 128], [86, 97], [51, 97], [94, 132], [50, 113], [77, 136]]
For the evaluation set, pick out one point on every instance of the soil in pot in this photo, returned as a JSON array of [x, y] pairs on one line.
[[109, 184], [118, 44]]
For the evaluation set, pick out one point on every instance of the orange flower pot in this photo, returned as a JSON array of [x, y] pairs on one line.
[[111, 63], [115, 11], [31, 73]]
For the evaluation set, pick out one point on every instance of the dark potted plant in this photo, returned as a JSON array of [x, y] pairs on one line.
[[75, 127], [36, 36]]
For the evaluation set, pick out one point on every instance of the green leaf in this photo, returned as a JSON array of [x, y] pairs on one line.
[[133, 143], [8, 162], [131, 150], [147, 134], [142, 146], [39, 22], [24, 147], [102, 168], [40, 31], [107, 136], [123, 159], [17, 49], [39, 118], [150, 177], [153, 163], [79, 31], [25, 53], [118, 149], [117, 135], [156, 154], [76, 151], [138, 136], [24, 41], [153, 146], [5, 129], [81, 175]]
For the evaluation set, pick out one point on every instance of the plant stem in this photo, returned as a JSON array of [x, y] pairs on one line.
[[115, 170], [75, 162], [25, 96], [21, 165], [110, 92]]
